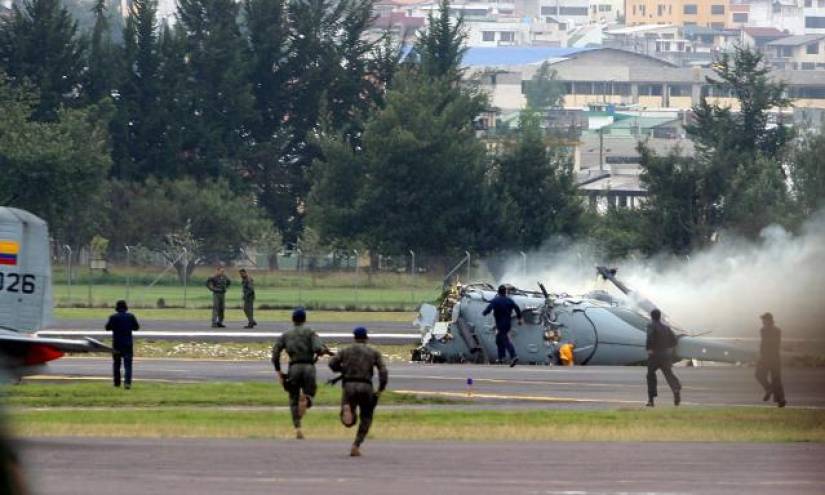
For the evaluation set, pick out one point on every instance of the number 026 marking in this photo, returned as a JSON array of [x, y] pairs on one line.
[[16, 282]]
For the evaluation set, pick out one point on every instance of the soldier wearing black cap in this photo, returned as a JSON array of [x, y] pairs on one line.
[[769, 363], [356, 363], [303, 346]]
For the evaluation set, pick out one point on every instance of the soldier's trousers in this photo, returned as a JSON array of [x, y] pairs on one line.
[[124, 355], [300, 377], [774, 385], [664, 363], [249, 310], [362, 400], [218, 307], [504, 344]]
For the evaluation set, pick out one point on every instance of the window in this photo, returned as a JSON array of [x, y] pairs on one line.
[[808, 66], [660, 10], [820, 4], [812, 49], [605, 8], [573, 11], [690, 9], [815, 22], [815, 92], [488, 36], [809, 3], [642, 10], [740, 17], [717, 10], [717, 25], [680, 90], [784, 51], [507, 36], [690, 24], [634, 10], [549, 11], [650, 90]]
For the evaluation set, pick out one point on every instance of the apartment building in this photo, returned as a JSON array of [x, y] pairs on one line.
[[805, 52], [708, 13]]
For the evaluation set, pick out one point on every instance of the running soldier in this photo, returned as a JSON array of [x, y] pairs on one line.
[[661, 342], [303, 346], [356, 363]]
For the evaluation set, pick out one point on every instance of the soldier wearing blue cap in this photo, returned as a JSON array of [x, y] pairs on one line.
[[356, 363], [303, 346]]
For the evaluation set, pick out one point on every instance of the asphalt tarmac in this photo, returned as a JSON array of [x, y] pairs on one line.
[[580, 387], [64, 466]]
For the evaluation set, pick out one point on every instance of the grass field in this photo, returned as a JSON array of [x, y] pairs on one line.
[[247, 351], [204, 315], [197, 296], [684, 424]]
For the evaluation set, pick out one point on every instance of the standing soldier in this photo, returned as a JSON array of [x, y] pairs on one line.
[[769, 361], [661, 342], [303, 346], [502, 308], [356, 363], [247, 284], [218, 284], [122, 324]]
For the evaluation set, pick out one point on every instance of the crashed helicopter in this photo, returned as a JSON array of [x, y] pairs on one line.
[[605, 330]]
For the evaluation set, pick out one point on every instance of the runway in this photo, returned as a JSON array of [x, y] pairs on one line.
[[582, 387], [64, 466]]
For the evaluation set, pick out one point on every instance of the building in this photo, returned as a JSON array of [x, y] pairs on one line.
[[607, 75], [804, 52], [708, 13]]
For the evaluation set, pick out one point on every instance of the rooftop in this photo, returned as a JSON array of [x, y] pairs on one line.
[[764, 32], [507, 56], [797, 40]]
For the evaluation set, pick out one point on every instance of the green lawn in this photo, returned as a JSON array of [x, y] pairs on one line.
[[204, 315], [155, 394], [333, 298], [666, 424]]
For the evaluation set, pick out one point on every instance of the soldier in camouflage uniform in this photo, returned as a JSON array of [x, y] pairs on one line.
[[356, 363], [248, 286], [303, 347], [218, 284]]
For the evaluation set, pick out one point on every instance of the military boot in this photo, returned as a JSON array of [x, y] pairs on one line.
[[354, 451], [299, 434]]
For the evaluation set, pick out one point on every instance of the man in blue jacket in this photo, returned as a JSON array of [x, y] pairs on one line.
[[122, 324], [502, 308]]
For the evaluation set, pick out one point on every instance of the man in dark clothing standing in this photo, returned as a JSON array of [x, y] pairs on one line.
[[769, 363], [502, 308], [218, 284], [356, 363], [122, 324], [303, 346], [248, 286], [661, 342]]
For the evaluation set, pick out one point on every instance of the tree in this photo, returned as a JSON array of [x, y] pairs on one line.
[[418, 182], [219, 101], [535, 187], [731, 144], [544, 90], [440, 48], [55, 169], [808, 173], [100, 76], [207, 218], [39, 43]]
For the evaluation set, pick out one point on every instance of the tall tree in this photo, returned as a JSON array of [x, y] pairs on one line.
[[808, 173], [417, 183], [220, 101], [40, 43], [535, 187], [441, 47], [544, 90], [101, 73]]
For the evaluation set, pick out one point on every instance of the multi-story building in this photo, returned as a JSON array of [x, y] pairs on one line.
[[570, 12], [805, 52], [709, 13]]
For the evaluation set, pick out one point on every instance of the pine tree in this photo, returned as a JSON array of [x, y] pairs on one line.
[[100, 77], [440, 48], [40, 43]]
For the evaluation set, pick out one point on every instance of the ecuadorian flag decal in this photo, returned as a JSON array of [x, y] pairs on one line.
[[8, 252]]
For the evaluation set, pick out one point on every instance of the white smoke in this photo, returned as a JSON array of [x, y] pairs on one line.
[[722, 289]]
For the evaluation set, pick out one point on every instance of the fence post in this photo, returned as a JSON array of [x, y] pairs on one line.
[[69, 271], [128, 270], [356, 277], [185, 275]]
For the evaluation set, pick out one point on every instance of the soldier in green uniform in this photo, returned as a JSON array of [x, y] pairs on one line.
[[356, 363], [248, 286], [218, 284], [303, 347]]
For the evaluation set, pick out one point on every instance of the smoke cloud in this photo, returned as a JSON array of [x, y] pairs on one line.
[[721, 290]]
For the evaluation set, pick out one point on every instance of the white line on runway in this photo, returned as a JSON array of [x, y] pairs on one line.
[[401, 337]]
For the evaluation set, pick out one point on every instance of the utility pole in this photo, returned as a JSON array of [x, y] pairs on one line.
[[128, 269], [69, 271]]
